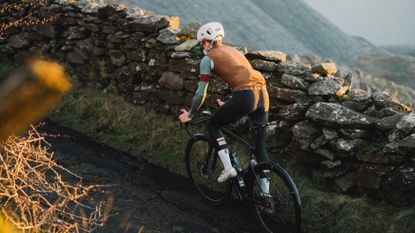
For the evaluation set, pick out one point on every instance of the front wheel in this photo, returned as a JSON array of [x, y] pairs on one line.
[[278, 207], [203, 168]]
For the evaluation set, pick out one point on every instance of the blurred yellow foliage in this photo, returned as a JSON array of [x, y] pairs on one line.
[[29, 93], [6, 226], [52, 75]]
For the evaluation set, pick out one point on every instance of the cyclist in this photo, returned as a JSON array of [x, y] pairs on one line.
[[249, 95]]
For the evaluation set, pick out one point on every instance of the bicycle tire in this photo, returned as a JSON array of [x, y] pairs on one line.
[[284, 215], [204, 174]]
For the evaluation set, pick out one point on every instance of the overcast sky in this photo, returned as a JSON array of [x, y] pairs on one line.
[[382, 22]]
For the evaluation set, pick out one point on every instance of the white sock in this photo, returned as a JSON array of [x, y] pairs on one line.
[[224, 158], [264, 185]]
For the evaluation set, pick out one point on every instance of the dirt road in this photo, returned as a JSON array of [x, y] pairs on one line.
[[144, 195]]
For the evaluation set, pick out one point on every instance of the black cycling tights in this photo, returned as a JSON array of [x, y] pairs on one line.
[[247, 102]]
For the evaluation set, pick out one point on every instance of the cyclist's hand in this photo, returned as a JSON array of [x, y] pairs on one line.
[[220, 102], [184, 116]]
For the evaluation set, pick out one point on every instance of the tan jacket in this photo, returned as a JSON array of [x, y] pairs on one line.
[[235, 70]]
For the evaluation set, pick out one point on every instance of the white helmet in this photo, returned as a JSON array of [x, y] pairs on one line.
[[210, 31]]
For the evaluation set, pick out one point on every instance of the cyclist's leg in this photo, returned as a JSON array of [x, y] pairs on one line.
[[239, 105], [260, 115]]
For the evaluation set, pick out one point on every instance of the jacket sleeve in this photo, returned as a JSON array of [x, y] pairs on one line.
[[205, 71]]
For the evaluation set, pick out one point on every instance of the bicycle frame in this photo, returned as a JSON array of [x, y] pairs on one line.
[[241, 194]]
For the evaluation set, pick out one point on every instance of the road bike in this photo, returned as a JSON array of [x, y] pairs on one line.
[[278, 210]]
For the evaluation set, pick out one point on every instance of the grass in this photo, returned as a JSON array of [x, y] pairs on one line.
[[156, 138]]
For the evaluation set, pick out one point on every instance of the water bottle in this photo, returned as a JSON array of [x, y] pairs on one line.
[[236, 163]]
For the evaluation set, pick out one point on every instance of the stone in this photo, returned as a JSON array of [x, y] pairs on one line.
[[275, 56], [403, 128], [186, 46], [116, 37], [278, 134], [358, 95], [329, 164], [75, 33], [294, 82], [408, 143], [74, 58], [384, 112], [190, 30], [180, 55], [174, 22], [313, 77], [170, 96], [368, 180], [319, 142], [146, 24], [392, 148], [304, 133], [330, 134], [339, 171], [137, 55], [46, 30], [353, 133], [347, 147], [294, 151], [106, 12], [402, 178], [186, 65], [292, 112], [346, 182], [168, 36], [264, 65], [92, 27], [406, 124], [389, 122], [384, 99], [117, 58], [376, 169], [171, 80], [294, 68], [84, 45], [132, 43], [325, 153], [287, 95], [190, 85], [358, 107], [18, 41], [325, 69], [357, 99], [324, 87], [332, 114], [108, 29], [218, 87], [376, 155]]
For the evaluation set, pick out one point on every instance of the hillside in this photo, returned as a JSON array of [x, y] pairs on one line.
[[399, 68], [401, 49], [289, 26]]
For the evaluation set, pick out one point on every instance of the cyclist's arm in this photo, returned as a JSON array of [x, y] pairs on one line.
[[206, 66]]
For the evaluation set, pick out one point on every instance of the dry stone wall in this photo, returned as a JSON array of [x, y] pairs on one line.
[[351, 141]]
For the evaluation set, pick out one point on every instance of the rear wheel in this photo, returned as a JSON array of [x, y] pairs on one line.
[[279, 209], [203, 168]]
